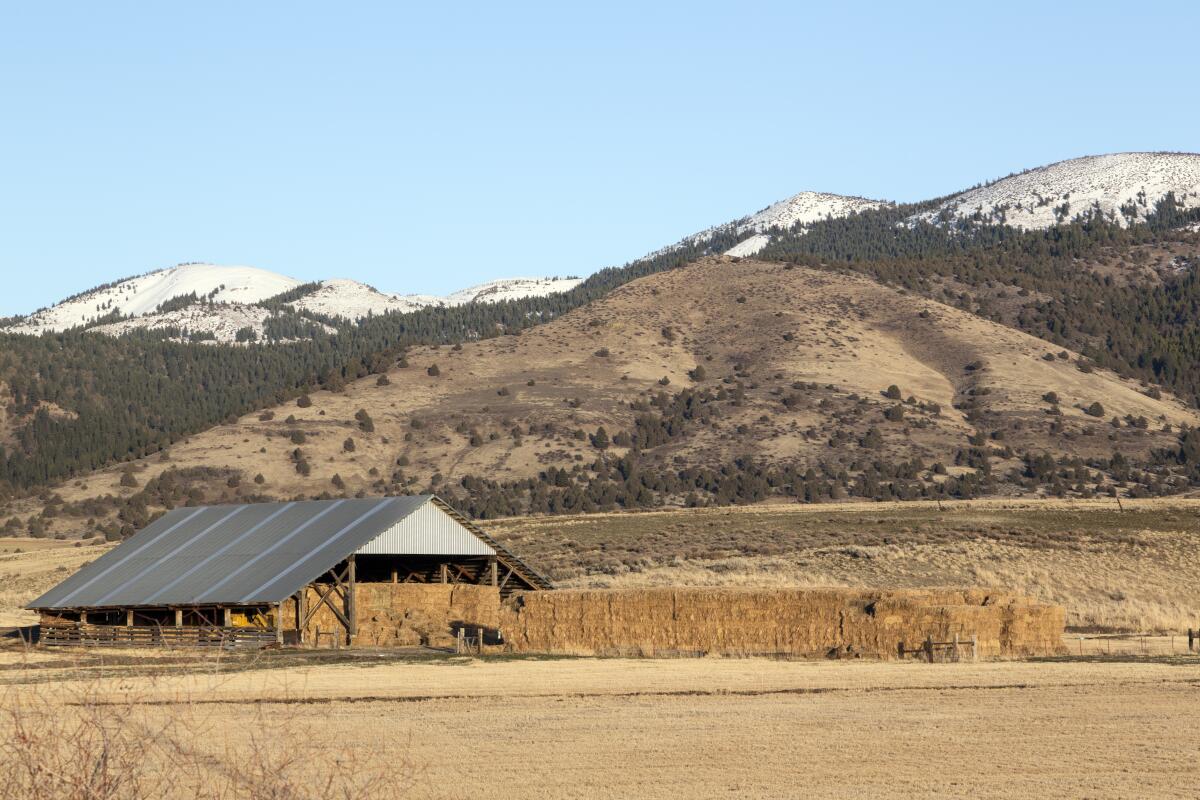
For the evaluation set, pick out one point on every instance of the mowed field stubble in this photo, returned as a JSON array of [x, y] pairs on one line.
[[374, 724]]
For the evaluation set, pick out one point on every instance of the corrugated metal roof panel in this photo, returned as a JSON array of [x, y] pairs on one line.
[[229, 554], [428, 531]]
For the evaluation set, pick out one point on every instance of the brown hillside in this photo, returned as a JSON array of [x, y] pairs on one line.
[[814, 352]]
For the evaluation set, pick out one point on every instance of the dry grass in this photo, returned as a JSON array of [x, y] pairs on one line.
[[608, 728]]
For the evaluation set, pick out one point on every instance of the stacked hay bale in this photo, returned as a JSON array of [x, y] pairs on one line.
[[399, 614], [792, 622]]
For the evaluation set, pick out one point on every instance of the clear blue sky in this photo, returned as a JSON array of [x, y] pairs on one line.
[[428, 147]]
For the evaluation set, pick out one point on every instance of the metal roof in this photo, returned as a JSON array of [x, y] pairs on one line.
[[237, 554], [429, 530]]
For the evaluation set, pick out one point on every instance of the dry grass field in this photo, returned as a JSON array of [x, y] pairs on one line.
[[374, 724]]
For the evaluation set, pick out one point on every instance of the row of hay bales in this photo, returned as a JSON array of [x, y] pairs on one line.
[[399, 614], [791, 622]]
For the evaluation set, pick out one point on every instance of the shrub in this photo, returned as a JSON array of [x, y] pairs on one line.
[[383, 380], [892, 392], [1094, 410], [433, 371], [348, 445], [304, 401], [297, 437], [127, 479], [364, 420]]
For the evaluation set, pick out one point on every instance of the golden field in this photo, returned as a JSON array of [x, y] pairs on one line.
[[375, 724]]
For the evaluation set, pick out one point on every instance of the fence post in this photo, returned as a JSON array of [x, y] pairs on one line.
[[458, 647], [929, 648], [975, 647], [479, 632], [957, 657], [901, 649]]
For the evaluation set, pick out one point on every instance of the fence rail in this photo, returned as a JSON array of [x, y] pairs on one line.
[[154, 636], [951, 651]]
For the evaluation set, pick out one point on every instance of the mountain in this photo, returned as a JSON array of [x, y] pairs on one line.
[[1112, 299], [709, 382], [216, 302], [1123, 187]]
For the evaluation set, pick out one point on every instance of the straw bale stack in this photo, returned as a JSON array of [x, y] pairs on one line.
[[397, 614], [792, 622]]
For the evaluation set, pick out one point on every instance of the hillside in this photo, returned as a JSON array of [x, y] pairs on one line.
[[761, 378], [1121, 295], [1123, 187]]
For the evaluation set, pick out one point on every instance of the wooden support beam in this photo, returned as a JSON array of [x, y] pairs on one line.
[[129, 617], [504, 582], [395, 576], [445, 570], [227, 617], [83, 618], [179, 618], [323, 600], [351, 613], [493, 569], [300, 595], [279, 623]]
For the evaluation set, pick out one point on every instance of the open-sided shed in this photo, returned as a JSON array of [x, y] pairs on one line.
[[225, 574]]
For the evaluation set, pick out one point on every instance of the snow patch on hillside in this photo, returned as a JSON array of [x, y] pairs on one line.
[[350, 299], [1124, 186], [511, 289], [748, 247]]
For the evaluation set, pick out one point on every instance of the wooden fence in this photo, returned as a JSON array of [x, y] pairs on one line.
[[949, 651], [154, 636]]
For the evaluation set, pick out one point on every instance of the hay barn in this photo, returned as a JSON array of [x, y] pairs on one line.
[[394, 570]]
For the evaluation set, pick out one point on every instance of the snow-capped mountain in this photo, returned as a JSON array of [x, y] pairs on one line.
[[1123, 186], [796, 212], [213, 303], [144, 294]]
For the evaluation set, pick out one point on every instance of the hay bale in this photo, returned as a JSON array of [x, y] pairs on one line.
[[793, 622]]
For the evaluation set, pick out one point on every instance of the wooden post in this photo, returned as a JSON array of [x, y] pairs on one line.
[[279, 623], [900, 648], [129, 617], [395, 576], [445, 573], [929, 648], [974, 646], [179, 618], [351, 614], [226, 617], [479, 633], [494, 571], [460, 644], [83, 621], [300, 615], [956, 656]]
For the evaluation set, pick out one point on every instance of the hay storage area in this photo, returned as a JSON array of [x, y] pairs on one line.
[[792, 622], [398, 614]]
